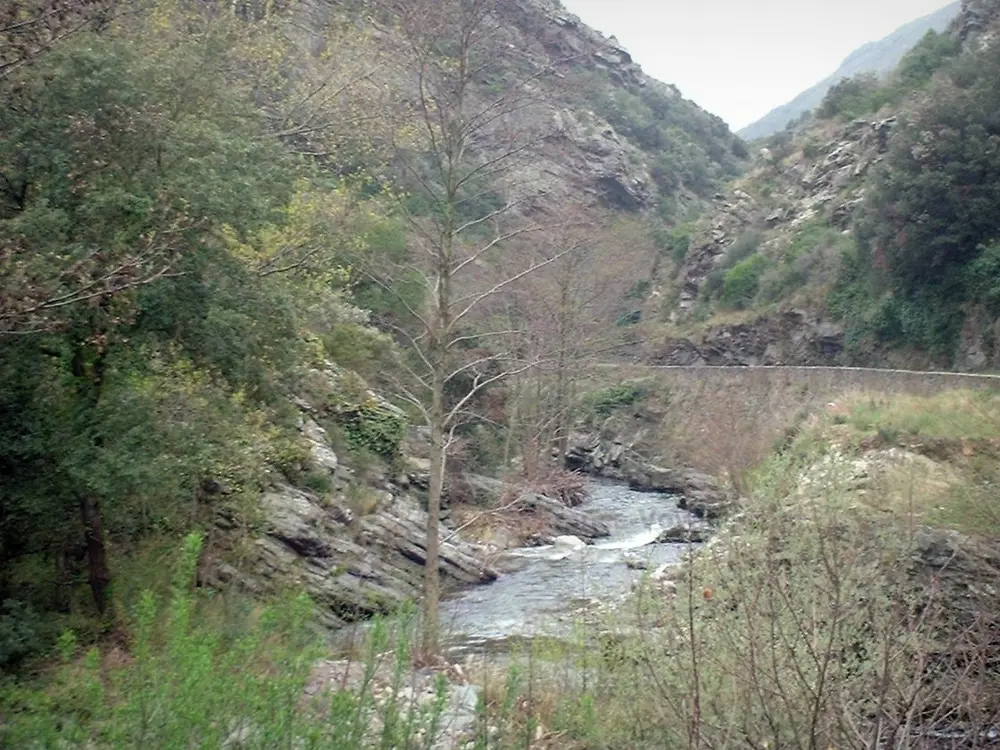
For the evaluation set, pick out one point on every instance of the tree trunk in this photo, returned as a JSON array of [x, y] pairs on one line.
[[432, 582], [98, 572], [90, 386]]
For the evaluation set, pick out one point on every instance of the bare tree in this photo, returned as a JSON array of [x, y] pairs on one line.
[[464, 132], [569, 316]]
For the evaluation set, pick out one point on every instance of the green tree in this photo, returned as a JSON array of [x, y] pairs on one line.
[[931, 214], [120, 170]]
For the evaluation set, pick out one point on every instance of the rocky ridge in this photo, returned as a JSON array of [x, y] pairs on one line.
[[592, 99], [818, 177], [818, 180]]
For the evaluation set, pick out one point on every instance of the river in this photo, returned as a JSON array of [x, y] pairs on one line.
[[540, 588]]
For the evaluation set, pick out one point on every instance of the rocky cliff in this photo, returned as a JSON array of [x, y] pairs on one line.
[[627, 138]]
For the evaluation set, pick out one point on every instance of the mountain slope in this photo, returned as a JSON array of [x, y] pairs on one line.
[[619, 138], [866, 236], [875, 57], [626, 138]]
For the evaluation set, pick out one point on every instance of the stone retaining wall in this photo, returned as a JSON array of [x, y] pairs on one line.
[[718, 419]]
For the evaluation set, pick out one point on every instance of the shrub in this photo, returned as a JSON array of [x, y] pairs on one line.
[[376, 428], [20, 632], [852, 97], [186, 684], [741, 282], [604, 402], [813, 258], [742, 248], [800, 628]]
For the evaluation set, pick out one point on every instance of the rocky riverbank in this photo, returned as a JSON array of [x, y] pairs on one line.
[[699, 492]]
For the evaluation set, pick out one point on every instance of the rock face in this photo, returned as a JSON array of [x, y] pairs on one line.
[[352, 563], [821, 177], [603, 124], [351, 568], [587, 453], [792, 337], [600, 153], [966, 570]]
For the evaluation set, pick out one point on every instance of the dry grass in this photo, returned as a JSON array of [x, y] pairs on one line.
[[934, 458]]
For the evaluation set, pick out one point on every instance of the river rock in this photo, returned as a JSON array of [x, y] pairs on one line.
[[700, 493], [568, 543], [633, 562], [683, 534], [538, 540], [562, 520], [662, 579]]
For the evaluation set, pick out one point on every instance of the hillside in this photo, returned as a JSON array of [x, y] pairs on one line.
[[864, 236], [226, 238], [878, 57]]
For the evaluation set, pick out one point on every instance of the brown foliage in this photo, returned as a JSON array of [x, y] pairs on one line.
[[28, 28]]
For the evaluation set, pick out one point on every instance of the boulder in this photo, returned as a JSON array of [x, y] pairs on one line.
[[700, 493], [585, 452], [563, 521], [572, 543], [684, 534], [635, 563]]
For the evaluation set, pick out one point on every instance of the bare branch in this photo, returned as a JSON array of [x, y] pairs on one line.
[[478, 336], [472, 365], [519, 500], [492, 244], [507, 282], [478, 385], [399, 298]]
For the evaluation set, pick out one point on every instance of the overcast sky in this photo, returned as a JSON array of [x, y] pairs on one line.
[[741, 58]]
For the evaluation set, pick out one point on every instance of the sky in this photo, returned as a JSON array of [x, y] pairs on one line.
[[741, 58]]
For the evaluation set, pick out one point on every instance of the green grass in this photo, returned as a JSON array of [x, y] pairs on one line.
[[956, 415], [177, 679]]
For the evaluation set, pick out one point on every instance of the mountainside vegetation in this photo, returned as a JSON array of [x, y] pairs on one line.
[[204, 206], [876, 217]]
